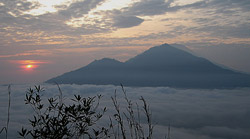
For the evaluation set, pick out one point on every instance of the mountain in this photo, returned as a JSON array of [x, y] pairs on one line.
[[162, 65]]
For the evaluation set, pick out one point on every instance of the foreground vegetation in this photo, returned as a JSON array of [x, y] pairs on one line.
[[83, 117]]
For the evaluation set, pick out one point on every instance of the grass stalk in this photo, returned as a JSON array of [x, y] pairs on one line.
[[8, 115]]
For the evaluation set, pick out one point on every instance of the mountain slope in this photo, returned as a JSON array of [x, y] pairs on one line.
[[162, 65]]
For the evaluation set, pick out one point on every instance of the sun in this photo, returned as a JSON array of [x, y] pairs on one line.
[[29, 66]]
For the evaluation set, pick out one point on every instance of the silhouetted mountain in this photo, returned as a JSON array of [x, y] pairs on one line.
[[162, 65]]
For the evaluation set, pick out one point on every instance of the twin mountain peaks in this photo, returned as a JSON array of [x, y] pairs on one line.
[[162, 65]]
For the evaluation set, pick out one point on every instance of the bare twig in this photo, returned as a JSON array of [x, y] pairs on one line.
[[118, 116], [149, 118], [60, 94]]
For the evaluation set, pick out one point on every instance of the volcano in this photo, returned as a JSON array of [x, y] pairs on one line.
[[158, 66]]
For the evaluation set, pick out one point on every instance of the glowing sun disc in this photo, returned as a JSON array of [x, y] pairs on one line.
[[29, 66]]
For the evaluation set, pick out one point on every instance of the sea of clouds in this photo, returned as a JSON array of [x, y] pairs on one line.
[[191, 113]]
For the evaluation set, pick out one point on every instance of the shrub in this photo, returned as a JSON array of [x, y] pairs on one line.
[[59, 120], [79, 119]]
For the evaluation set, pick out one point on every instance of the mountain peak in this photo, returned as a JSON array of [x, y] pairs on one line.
[[104, 61], [164, 45], [162, 65], [162, 54], [161, 47]]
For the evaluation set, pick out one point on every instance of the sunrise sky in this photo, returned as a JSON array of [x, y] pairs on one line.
[[40, 39]]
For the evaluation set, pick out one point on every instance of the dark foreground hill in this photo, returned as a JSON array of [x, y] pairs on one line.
[[162, 65]]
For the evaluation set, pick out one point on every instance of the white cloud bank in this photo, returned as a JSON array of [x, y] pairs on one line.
[[202, 114]]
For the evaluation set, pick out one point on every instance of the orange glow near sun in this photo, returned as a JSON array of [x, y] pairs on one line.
[[29, 65]]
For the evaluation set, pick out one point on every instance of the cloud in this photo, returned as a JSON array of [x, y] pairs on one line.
[[203, 114], [17, 7], [228, 4], [49, 26], [235, 31], [149, 7], [214, 131], [127, 21], [78, 9], [159, 7]]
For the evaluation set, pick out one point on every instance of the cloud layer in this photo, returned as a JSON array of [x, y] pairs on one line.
[[203, 114]]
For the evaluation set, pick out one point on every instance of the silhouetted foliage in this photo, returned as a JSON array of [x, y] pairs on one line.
[[59, 120], [56, 119]]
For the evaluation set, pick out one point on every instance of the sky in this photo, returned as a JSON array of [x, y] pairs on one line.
[[41, 39]]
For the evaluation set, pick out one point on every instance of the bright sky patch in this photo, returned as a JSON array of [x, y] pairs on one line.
[[47, 6]]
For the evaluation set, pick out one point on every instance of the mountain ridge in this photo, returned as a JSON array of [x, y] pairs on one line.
[[162, 65]]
